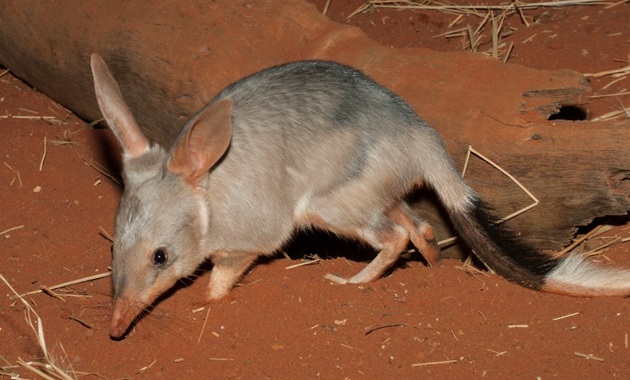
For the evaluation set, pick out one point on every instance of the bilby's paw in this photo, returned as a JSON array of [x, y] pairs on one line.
[[336, 279]]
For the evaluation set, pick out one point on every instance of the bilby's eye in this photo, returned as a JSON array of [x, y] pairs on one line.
[[160, 257]]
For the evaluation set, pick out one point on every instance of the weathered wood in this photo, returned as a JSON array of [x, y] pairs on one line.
[[172, 57]]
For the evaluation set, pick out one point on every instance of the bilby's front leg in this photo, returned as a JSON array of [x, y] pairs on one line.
[[227, 271]]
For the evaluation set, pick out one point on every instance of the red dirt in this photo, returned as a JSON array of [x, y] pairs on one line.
[[291, 323]]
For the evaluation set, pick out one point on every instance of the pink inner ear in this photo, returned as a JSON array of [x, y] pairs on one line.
[[115, 109], [204, 143]]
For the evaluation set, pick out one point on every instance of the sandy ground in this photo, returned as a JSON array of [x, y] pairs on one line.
[[441, 322]]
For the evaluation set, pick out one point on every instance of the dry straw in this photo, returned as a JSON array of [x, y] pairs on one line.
[[442, 362], [49, 369], [535, 202], [495, 13], [11, 229], [41, 162], [588, 356], [17, 173], [63, 285], [507, 174], [470, 9]]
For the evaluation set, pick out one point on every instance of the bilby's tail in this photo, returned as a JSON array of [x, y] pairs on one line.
[[498, 247], [510, 257]]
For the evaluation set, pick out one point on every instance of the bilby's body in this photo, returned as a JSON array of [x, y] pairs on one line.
[[304, 144]]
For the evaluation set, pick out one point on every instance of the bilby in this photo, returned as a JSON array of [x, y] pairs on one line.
[[304, 144]]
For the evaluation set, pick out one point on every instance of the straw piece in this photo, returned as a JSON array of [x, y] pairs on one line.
[[145, 368], [26, 117], [69, 283], [17, 173], [615, 4], [447, 241], [472, 8], [613, 82], [452, 33], [203, 327], [511, 177], [370, 330], [609, 115], [610, 95], [84, 323], [588, 356], [598, 250], [11, 229], [483, 22], [36, 371], [326, 6], [495, 38], [104, 233], [521, 15], [51, 293], [509, 52], [98, 168], [350, 347], [497, 353], [455, 21], [39, 334], [303, 264], [451, 240], [593, 233], [626, 110], [566, 316], [435, 363], [471, 39], [41, 162], [614, 72], [530, 38]]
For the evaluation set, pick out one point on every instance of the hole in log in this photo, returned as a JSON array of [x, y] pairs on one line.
[[611, 220], [569, 112], [620, 183]]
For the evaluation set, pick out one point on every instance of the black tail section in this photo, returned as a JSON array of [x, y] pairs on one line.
[[500, 249]]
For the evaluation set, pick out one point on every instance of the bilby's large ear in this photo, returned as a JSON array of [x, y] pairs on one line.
[[204, 143], [116, 111]]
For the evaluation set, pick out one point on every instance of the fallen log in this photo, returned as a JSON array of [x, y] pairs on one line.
[[172, 57]]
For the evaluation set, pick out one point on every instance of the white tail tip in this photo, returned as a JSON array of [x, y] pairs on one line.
[[576, 276]]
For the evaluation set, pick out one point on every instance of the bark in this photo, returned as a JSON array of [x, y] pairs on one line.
[[172, 57]]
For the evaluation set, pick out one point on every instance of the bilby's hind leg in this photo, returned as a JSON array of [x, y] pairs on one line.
[[391, 239], [355, 211], [421, 233]]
